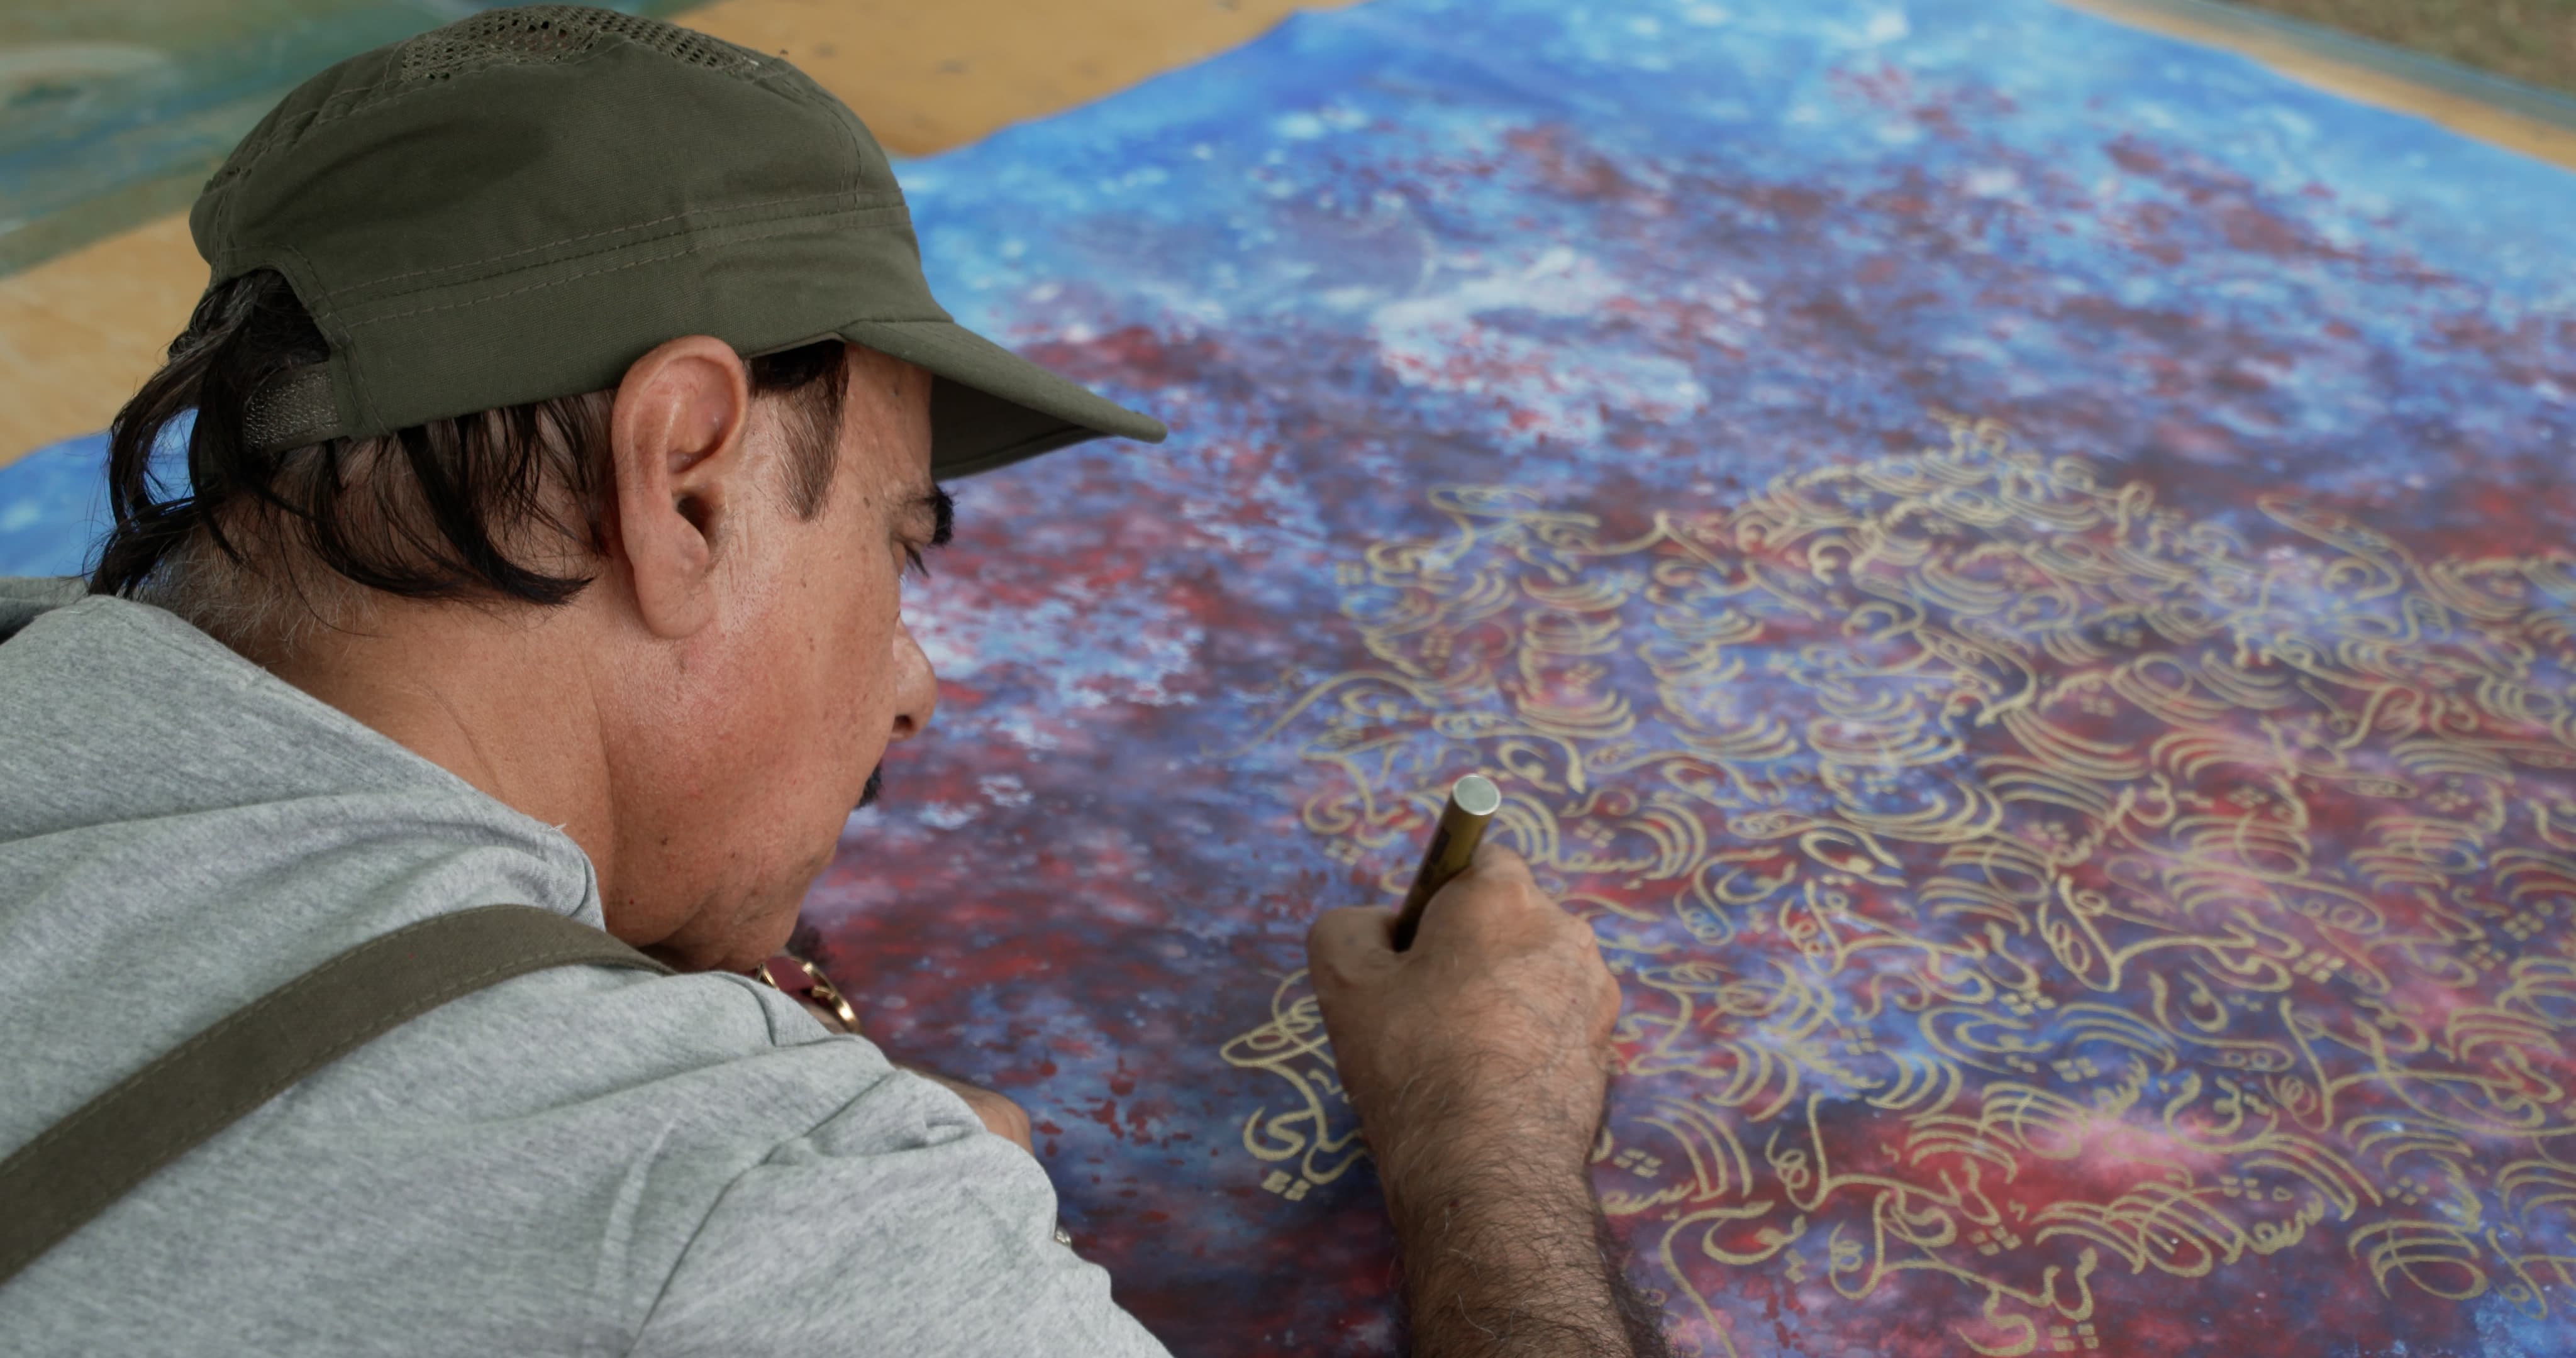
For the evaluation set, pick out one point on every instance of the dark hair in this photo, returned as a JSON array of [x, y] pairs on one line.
[[424, 512]]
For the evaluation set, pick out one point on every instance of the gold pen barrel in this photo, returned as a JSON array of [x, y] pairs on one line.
[[1473, 800]]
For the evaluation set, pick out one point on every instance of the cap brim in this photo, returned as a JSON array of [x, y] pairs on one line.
[[992, 407]]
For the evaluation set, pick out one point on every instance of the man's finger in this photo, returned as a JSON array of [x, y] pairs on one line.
[[1495, 857], [1497, 877], [1351, 943]]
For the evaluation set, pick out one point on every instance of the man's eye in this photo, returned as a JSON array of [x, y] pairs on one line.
[[917, 566]]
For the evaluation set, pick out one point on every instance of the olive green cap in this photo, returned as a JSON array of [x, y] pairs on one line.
[[520, 205]]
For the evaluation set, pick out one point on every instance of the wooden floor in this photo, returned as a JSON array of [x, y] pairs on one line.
[[80, 327]]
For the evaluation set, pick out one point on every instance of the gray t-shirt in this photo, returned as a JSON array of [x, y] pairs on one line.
[[582, 1160]]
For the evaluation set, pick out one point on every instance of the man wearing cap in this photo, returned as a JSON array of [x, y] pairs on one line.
[[393, 817]]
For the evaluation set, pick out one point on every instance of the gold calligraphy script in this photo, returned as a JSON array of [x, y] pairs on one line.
[[2014, 882]]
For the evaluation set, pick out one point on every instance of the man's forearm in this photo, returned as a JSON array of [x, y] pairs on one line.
[[1511, 1260]]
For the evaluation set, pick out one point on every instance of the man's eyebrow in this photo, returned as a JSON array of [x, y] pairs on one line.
[[942, 511]]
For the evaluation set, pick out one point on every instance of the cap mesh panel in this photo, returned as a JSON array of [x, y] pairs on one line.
[[535, 35], [546, 33]]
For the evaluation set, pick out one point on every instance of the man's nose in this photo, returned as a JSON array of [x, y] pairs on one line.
[[916, 688]]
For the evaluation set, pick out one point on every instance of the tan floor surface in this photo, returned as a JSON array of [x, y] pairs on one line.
[[79, 331], [2462, 114]]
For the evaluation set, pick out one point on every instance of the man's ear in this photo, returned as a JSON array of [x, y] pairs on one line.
[[676, 437]]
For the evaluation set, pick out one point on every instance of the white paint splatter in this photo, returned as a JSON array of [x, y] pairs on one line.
[[1992, 182], [948, 817]]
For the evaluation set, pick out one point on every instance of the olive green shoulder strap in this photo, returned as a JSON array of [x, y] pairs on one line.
[[76, 1168]]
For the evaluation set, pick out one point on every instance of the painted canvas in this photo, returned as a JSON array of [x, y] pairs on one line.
[[2018, 573]]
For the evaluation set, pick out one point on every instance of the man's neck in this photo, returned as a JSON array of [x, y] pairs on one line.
[[504, 703]]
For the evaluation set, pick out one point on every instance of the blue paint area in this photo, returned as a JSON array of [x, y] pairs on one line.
[[53, 507], [53, 501], [2209, 438]]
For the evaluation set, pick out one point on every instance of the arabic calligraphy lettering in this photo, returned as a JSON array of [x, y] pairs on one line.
[[2015, 883]]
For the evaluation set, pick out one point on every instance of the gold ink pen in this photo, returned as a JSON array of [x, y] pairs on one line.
[[1473, 800]]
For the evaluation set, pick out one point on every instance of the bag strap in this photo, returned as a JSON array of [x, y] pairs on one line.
[[77, 1168]]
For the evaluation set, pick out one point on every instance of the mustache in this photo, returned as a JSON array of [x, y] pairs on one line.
[[875, 788]]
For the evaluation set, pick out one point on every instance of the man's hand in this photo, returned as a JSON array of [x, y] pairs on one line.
[[1001, 1117], [1491, 1035], [1478, 1061]]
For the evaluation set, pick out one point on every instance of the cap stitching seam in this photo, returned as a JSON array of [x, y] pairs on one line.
[[783, 227], [366, 387], [569, 278], [897, 201]]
